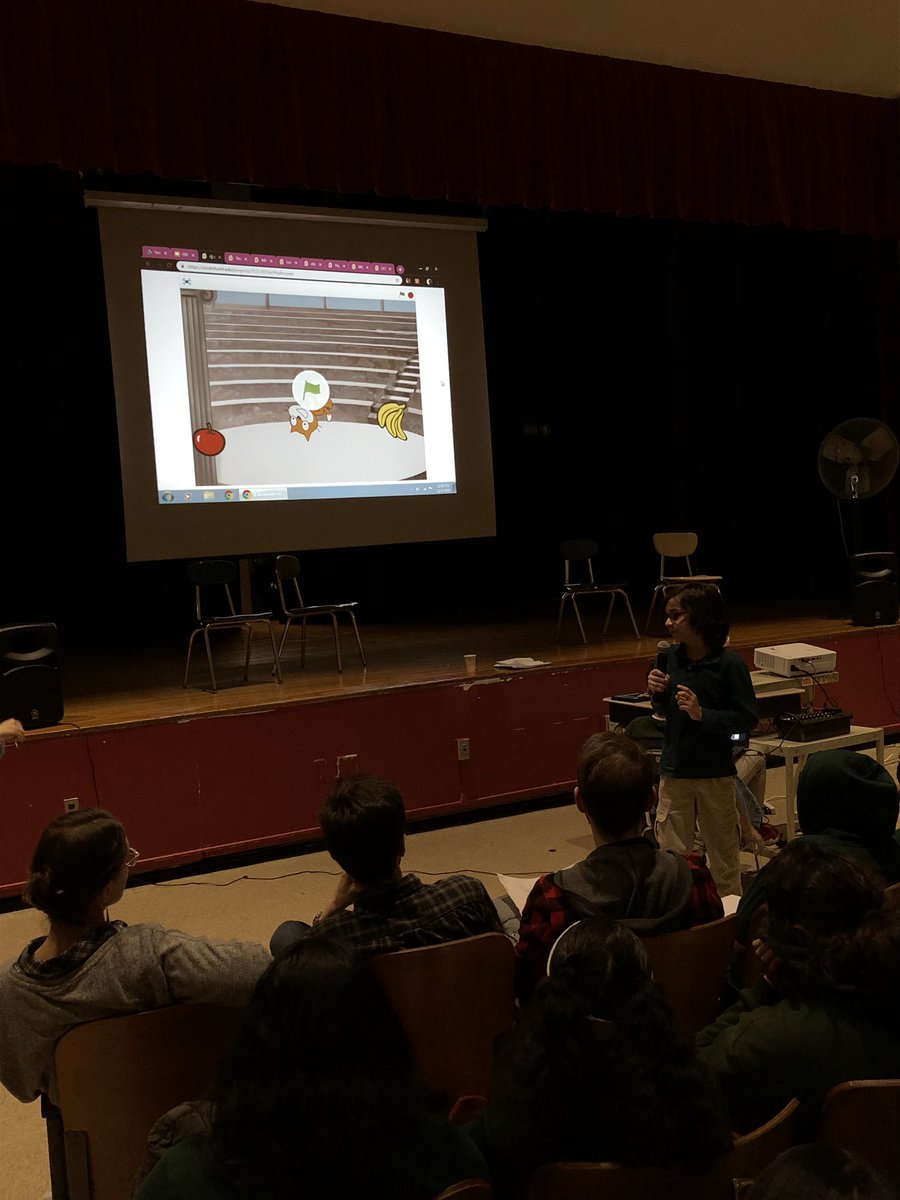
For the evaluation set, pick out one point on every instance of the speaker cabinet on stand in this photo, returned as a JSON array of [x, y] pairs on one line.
[[874, 588], [30, 686]]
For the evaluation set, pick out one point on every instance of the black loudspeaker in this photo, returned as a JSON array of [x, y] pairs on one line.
[[874, 599], [29, 675]]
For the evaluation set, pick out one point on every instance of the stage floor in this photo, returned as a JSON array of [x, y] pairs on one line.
[[138, 680]]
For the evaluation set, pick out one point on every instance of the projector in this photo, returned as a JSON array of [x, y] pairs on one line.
[[796, 658]]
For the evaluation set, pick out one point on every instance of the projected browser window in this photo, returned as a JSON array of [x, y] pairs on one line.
[[282, 377]]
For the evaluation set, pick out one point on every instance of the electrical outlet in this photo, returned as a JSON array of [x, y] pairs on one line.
[[71, 804], [462, 749]]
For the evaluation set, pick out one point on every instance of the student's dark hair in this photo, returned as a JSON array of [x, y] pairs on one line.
[[597, 1069], [820, 1172], [706, 611], [317, 1096], [363, 822], [615, 777], [77, 855], [829, 924]]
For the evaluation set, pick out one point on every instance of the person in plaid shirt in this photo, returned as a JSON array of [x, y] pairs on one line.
[[626, 876], [364, 826]]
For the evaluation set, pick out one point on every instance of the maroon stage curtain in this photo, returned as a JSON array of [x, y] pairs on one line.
[[226, 90]]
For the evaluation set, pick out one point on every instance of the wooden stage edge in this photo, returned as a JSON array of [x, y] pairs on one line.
[[195, 775], [135, 685]]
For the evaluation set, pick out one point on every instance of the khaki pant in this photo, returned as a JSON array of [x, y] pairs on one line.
[[708, 803]]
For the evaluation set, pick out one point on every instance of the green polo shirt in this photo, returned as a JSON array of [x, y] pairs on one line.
[[702, 749]]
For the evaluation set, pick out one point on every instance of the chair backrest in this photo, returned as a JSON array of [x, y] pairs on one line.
[[892, 896], [755, 1150], [453, 1000], [118, 1076], [212, 573], [579, 551], [859, 1116], [287, 570], [468, 1189], [611, 1181], [690, 967], [675, 545]]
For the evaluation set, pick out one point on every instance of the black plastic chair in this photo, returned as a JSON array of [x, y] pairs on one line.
[[218, 574], [287, 572], [579, 553]]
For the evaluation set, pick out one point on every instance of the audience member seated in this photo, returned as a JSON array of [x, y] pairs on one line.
[[317, 1098], [88, 966], [597, 1070], [848, 802], [626, 877], [819, 1172], [826, 1010], [11, 730], [364, 826]]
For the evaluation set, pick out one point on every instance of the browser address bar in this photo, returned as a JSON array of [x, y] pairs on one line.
[[208, 268]]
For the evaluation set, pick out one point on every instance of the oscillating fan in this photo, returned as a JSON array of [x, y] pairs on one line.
[[858, 459]]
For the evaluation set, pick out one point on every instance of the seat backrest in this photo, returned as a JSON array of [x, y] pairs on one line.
[[754, 1151], [287, 570], [858, 1116], [209, 573], [468, 1189], [579, 551], [118, 1076], [611, 1181], [892, 896], [675, 545], [453, 1000], [690, 967]]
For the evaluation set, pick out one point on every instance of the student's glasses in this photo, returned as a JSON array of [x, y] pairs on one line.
[[131, 857]]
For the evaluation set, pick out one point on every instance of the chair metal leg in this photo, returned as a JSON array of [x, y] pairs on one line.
[[578, 618], [562, 604], [337, 643], [187, 665], [276, 657], [356, 632], [621, 592], [609, 608], [209, 659], [659, 588], [249, 629], [284, 634], [302, 642]]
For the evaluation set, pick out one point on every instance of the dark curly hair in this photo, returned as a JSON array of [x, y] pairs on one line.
[[77, 855], [317, 1097], [829, 924], [597, 1069], [706, 611]]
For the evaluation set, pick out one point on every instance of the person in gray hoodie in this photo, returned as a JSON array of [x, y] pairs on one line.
[[625, 876], [88, 966]]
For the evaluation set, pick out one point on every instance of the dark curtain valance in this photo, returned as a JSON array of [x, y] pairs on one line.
[[227, 90]]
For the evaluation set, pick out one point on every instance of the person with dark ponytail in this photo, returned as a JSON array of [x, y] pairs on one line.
[[317, 1098], [88, 966], [597, 1070]]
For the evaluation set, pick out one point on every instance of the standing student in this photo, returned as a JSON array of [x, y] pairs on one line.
[[706, 695]]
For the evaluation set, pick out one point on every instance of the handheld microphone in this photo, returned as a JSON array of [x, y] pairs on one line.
[[662, 655], [657, 699]]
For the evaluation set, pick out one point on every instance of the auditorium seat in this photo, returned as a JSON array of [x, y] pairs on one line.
[[119, 1075], [690, 967], [453, 1000]]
